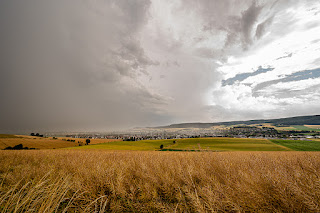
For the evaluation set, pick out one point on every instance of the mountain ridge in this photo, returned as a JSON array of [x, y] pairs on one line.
[[297, 120]]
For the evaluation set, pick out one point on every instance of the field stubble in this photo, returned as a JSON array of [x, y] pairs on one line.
[[98, 181]]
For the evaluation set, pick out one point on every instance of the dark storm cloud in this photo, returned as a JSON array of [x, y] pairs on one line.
[[71, 63], [248, 19], [242, 24]]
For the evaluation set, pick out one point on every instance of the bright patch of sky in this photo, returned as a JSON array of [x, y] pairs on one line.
[[295, 51]]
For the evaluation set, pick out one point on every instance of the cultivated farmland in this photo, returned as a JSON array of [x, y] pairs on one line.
[[144, 145], [226, 144], [109, 181], [193, 144], [46, 142], [299, 145], [92, 141], [33, 142]]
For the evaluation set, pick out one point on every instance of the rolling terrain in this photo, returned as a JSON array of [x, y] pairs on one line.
[[46, 142], [186, 175], [299, 145], [292, 121], [33, 142], [192, 144], [217, 144]]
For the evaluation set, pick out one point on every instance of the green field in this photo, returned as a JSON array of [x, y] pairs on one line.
[[145, 145], [299, 145], [305, 128], [188, 144], [192, 144], [226, 144]]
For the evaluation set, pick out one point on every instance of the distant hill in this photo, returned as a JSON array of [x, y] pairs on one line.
[[300, 120]]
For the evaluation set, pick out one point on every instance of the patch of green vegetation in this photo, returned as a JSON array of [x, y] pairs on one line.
[[305, 128], [192, 144], [144, 145], [226, 144], [299, 145], [186, 150], [309, 133], [8, 136]]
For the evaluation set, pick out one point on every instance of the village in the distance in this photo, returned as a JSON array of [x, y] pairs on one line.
[[296, 128]]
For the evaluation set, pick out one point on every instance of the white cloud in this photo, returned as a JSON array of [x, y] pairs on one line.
[[287, 53]]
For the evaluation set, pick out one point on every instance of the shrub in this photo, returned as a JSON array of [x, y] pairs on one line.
[[87, 141], [17, 147]]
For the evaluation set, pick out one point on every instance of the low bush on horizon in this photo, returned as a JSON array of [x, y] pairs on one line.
[[17, 147], [109, 181]]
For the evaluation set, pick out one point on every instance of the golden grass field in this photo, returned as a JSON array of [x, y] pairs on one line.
[[134, 181], [35, 142], [45, 143]]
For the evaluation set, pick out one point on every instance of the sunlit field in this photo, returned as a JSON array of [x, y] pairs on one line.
[[92, 141], [33, 142], [109, 181], [189, 175], [226, 144], [144, 145], [46, 142], [300, 145], [188, 144], [193, 144]]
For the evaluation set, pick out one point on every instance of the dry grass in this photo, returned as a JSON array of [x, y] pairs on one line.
[[104, 181], [35, 142]]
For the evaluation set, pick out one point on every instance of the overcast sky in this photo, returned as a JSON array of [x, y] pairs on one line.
[[115, 64]]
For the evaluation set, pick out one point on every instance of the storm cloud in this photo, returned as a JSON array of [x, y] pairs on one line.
[[113, 64], [71, 63]]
